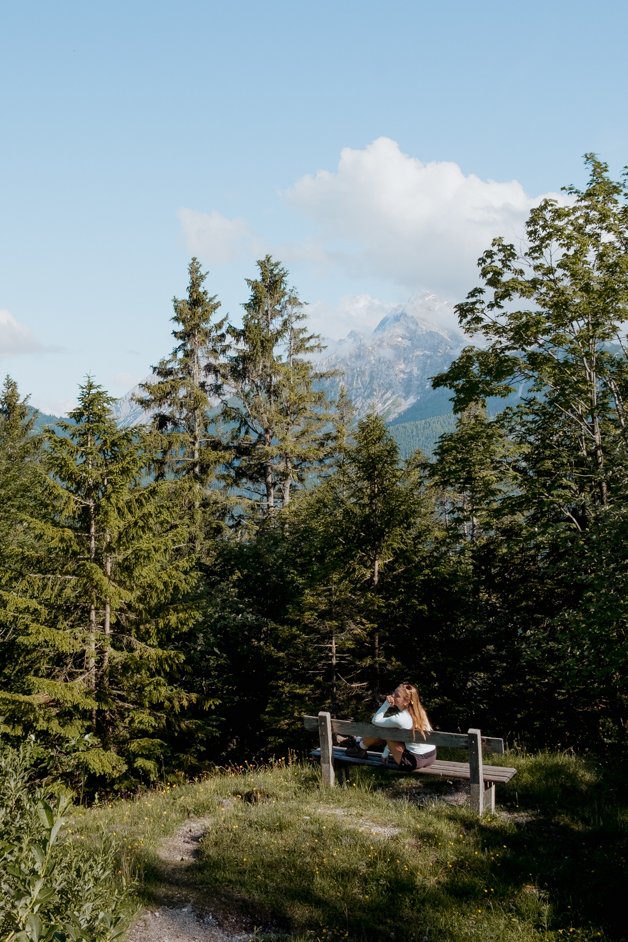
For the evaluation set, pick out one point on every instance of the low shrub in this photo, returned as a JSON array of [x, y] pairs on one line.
[[52, 889]]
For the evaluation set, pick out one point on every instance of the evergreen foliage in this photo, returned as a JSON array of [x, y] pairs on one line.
[[421, 434], [100, 601], [351, 534], [176, 596], [280, 421], [21, 482], [182, 400]]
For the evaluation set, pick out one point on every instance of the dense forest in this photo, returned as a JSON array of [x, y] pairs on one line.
[[176, 595]]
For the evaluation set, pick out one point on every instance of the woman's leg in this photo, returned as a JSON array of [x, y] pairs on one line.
[[410, 761], [404, 759], [360, 745], [368, 741], [396, 750]]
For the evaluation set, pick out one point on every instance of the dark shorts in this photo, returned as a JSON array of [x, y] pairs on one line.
[[412, 760]]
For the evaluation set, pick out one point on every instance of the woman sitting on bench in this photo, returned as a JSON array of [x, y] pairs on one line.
[[409, 715]]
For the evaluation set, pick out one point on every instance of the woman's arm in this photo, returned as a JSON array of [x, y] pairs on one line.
[[401, 720]]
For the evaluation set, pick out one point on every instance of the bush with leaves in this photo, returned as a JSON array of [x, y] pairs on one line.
[[51, 889]]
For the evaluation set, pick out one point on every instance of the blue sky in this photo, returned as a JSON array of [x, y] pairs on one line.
[[374, 148]]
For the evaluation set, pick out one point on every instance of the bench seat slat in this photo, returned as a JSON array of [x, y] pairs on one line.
[[443, 768]]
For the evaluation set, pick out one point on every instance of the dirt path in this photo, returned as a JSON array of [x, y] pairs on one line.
[[179, 911]]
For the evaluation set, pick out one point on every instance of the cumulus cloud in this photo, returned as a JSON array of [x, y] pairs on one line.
[[417, 225], [216, 238], [15, 338]]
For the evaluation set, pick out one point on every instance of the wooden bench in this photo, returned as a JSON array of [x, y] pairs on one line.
[[482, 778]]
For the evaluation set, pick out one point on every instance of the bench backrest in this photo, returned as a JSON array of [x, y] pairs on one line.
[[435, 738]]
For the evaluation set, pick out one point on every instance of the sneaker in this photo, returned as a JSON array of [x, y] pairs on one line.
[[346, 741]]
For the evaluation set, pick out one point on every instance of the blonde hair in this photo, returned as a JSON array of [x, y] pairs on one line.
[[420, 721]]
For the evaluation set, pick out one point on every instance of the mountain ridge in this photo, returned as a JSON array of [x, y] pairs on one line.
[[386, 370]]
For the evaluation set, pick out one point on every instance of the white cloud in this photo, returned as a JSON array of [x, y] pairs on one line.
[[362, 313], [419, 226], [215, 238], [382, 223], [15, 338], [359, 312]]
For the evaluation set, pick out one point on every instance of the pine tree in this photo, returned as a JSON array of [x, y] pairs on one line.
[[23, 496], [350, 534], [20, 477], [280, 423], [101, 599], [472, 471], [182, 400]]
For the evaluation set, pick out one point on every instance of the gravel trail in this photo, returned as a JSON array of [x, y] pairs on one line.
[[179, 911]]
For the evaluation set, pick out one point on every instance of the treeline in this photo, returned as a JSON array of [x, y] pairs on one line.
[[176, 595]]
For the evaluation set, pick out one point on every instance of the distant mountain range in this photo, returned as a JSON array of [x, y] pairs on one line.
[[387, 371]]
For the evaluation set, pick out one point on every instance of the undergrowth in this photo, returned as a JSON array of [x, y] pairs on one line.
[[52, 889]]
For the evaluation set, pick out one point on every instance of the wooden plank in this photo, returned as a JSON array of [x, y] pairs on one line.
[[326, 741], [441, 767], [435, 738], [492, 773], [476, 777]]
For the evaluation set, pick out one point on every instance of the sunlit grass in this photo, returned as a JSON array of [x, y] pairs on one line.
[[368, 862]]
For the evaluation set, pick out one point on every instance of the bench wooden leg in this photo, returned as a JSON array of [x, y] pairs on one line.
[[489, 797], [327, 749], [476, 798], [476, 771]]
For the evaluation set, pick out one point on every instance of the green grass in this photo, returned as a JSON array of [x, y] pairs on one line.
[[374, 860]]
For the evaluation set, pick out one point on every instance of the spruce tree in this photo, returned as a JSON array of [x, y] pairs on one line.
[[100, 603], [182, 401], [20, 478], [23, 497], [472, 473], [279, 420], [350, 534]]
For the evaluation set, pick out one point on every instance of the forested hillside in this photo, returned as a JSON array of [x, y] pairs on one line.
[[423, 434], [176, 595]]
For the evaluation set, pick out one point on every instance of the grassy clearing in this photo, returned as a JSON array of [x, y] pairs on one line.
[[367, 861]]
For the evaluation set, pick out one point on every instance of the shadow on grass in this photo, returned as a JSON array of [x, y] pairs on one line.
[[559, 836], [568, 830], [550, 864]]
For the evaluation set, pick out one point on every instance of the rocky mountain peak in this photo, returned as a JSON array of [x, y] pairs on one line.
[[386, 371]]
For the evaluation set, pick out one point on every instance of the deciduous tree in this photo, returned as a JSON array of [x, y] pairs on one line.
[[551, 321]]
